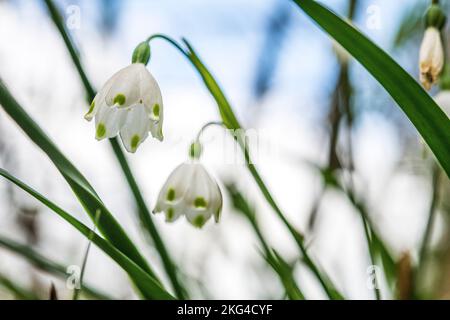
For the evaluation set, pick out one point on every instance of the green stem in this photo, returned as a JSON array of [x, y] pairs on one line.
[[367, 231], [148, 223], [18, 291], [209, 124], [76, 291], [59, 23], [143, 211], [281, 268], [231, 122], [371, 255], [46, 265], [423, 252]]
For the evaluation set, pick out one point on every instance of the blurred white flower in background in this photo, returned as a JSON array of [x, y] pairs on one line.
[[431, 57], [130, 102], [190, 190]]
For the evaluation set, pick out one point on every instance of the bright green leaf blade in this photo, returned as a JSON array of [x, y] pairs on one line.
[[45, 264], [87, 196], [419, 107], [149, 287], [143, 211], [285, 274], [18, 291], [231, 122]]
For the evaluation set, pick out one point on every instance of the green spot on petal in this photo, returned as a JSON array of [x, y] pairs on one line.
[[101, 130], [135, 141], [199, 221], [170, 194], [91, 107], [170, 214], [119, 99], [156, 110], [200, 202]]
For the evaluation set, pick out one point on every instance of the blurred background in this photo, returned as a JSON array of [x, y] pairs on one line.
[[304, 101]]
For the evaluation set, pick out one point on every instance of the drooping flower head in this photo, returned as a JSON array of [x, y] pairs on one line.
[[431, 55], [442, 99], [191, 191], [129, 103]]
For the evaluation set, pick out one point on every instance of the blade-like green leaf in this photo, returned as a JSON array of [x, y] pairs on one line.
[[231, 122], [142, 209], [270, 255], [149, 287], [87, 196], [47, 265], [377, 247], [429, 120], [18, 291]]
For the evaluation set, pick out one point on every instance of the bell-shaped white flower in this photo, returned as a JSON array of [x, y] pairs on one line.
[[190, 190], [443, 100], [129, 103], [431, 57]]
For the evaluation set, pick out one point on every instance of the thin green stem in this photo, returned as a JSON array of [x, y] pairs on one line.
[[76, 291], [371, 255], [18, 291], [349, 192], [169, 40], [282, 269], [230, 121], [143, 211], [148, 223], [46, 265], [423, 252], [205, 126]]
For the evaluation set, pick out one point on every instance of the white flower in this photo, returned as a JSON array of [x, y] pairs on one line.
[[191, 191], [431, 57], [443, 100], [130, 102]]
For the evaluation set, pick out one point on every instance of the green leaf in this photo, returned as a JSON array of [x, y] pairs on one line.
[[429, 120], [142, 209], [18, 291], [275, 260], [231, 122], [87, 196], [47, 265], [149, 287]]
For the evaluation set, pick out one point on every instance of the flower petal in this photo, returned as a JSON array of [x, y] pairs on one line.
[[203, 198], [431, 57], [125, 88], [99, 99], [135, 129], [175, 187], [108, 122], [198, 217]]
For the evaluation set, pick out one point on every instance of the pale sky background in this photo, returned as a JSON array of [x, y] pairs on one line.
[[228, 36]]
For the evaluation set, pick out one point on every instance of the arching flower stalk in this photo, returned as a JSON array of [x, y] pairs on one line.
[[129, 104]]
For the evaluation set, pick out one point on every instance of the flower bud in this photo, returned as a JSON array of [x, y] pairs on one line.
[[195, 150], [435, 17], [431, 57], [142, 53]]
